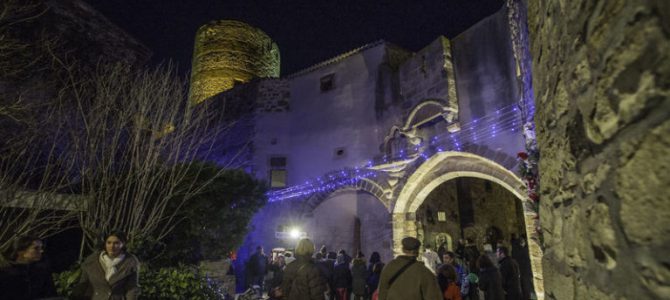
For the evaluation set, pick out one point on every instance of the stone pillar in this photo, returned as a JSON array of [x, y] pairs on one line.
[[535, 251], [404, 225]]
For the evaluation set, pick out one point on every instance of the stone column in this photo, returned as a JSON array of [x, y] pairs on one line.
[[404, 225], [534, 251]]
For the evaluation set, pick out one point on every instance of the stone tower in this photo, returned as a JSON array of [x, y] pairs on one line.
[[228, 52]]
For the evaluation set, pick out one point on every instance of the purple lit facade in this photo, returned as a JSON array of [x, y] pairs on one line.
[[338, 140]]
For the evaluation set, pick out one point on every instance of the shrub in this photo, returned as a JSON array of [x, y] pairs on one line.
[[181, 282], [66, 280]]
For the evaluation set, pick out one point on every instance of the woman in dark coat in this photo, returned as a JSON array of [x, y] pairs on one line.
[[112, 273], [490, 281], [359, 274], [302, 279], [26, 277], [373, 279], [342, 278], [374, 258]]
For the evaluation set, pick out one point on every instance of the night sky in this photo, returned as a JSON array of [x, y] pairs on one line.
[[306, 32]]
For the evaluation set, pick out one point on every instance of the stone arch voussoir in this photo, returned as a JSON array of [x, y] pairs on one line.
[[377, 188], [445, 166]]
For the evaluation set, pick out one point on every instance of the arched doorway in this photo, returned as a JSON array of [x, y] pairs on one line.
[[446, 166], [352, 220]]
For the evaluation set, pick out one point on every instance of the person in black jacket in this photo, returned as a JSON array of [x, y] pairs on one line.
[[342, 278], [258, 267], [26, 277], [489, 279], [522, 257], [509, 270]]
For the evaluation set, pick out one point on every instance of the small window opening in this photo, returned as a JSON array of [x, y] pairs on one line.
[[327, 82]]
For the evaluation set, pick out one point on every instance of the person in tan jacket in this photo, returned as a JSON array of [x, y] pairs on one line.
[[302, 279], [111, 274], [405, 278]]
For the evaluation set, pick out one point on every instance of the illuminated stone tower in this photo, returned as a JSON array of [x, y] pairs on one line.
[[227, 52]]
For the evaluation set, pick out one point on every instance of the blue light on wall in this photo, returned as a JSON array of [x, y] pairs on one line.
[[504, 120]]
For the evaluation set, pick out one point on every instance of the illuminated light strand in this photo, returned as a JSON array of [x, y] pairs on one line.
[[334, 182], [488, 127]]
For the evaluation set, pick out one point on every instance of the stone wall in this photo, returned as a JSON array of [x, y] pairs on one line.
[[428, 74], [273, 95], [228, 52], [601, 75]]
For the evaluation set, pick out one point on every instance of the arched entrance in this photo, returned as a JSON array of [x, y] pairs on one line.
[[446, 166], [351, 219]]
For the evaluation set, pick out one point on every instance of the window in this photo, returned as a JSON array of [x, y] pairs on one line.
[[327, 82], [441, 216], [278, 172]]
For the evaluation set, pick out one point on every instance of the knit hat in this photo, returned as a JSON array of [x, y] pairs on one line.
[[410, 244]]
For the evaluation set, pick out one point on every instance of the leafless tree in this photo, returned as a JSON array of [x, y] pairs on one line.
[[114, 146], [134, 140], [34, 188]]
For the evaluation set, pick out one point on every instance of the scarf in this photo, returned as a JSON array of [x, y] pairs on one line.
[[109, 264]]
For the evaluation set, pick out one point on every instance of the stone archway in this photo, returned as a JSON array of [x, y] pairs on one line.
[[445, 166], [350, 218]]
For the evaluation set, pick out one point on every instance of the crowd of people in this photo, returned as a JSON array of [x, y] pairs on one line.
[[465, 274], [315, 275]]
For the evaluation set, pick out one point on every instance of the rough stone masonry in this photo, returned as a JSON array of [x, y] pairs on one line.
[[601, 75]]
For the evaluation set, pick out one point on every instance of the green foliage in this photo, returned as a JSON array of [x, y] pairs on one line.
[[181, 282], [66, 280], [215, 219]]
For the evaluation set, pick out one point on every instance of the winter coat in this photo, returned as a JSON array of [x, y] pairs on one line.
[[490, 283], [326, 267], [470, 287], [258, 264], [359, 275], [303, 281], [416, 282], [431, 260], [342, 276], [373, 282], [511, 279], [123, 285], [452, 292], [471, 253], [277, 275], [26, 281]]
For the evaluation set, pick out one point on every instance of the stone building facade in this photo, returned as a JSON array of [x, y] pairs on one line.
[[381, 107], [601, 74]]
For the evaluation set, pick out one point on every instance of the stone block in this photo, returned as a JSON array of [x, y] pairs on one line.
[[642, 184], [602, 235]]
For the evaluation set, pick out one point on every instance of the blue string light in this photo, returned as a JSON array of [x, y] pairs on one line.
[[479, 130]]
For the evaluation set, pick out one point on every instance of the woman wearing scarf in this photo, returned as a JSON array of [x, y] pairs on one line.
[[112, 273]]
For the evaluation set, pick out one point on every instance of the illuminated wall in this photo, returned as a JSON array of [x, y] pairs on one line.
[[227, 52]]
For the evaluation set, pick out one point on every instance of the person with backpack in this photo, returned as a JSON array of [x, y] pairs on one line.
[[406, 278]]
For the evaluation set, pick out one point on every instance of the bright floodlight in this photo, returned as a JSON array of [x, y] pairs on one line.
[[294, 233]]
